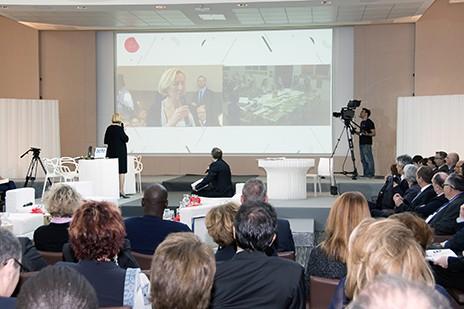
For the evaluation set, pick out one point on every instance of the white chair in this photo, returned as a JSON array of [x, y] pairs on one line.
[[51, 171], [68, 168], [324, 169], [138, 172]]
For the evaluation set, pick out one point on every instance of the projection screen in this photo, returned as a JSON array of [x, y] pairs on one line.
[[248, 92]]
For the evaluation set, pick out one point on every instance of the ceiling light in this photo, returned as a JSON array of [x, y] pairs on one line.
[[326, 2], [202, 9], [242, 5], [160, 7], [81, 7], [212, 16]]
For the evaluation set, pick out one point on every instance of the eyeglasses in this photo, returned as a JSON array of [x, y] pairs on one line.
[[21, 266]]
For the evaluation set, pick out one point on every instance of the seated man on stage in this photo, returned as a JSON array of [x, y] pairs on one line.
[[218, 181]]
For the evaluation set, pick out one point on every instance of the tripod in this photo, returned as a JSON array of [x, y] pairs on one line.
[[349, 128], [33, 166]]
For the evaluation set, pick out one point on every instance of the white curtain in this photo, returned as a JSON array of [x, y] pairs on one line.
[[430, 123], [25, 124]]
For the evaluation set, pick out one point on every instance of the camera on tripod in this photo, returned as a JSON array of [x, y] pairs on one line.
[[347, 113]]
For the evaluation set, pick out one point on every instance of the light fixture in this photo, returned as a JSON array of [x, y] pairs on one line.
[[212, 16], [81, 7], [326, 2], [242, 5], [160, 7], [4, 7]]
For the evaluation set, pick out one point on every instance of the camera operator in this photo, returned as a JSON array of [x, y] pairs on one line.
[[366, 132]]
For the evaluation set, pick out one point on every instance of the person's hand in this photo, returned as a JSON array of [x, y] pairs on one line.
[[398, 199], [442, 261], [461, 212], [181, 112]]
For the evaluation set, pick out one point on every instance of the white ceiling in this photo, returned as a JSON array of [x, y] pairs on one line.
[[185, 15]]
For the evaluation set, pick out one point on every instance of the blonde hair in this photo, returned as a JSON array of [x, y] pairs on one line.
[[421, 230], [348, 210], [182, 273], [167, 79], [61, 200], [116, 118], [378, 247], [220, 222]]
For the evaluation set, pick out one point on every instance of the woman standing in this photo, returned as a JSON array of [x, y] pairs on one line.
[[116, 139]]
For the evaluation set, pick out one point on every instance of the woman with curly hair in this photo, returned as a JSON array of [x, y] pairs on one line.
[[60, 201], [96, 235]]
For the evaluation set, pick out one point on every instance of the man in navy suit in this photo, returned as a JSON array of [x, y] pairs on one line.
[[147, 232], [212, 105], [424, 179], [218, 181], [255, 190]]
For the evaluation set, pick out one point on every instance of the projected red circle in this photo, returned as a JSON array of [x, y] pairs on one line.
[[131, 45]]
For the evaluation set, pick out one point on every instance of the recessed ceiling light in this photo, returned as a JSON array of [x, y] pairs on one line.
[[81, 7], [160, 7], [202, 9], [242, 5], [326, 2], [212, 16]]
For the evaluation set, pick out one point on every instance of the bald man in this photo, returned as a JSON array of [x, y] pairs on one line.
[[147, 232]]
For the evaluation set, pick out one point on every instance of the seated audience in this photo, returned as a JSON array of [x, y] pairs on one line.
[[60, 202], [409, 173], [391, 292], [218, 181], [416, 160], [418, 227], [443, 221], [251, 279], [182, 273], [147, 232], [328, 259], [384, 205], [96, 235], [10, 266], [456, 243], [449, 271], [255, 190], [439, 158], [379, 247], [438, 180], [451, 159], [423, 177], [57, 287], [220, 225]]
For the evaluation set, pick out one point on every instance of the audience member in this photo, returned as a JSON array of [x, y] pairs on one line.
[[384, 205], [57, 287], [255, 190], [218, 181], [328, 259], [10, 256], [431, 163], [449, 271], [451, 159], [96, 235], [379, 247], [443, 221], [251, 279], [416, 160], [456, 243], [147, 232], [182, 273], [458, 168], [409, 173], [439, 158], [423, 177], [392, 292], [438, 181], [60, 202], [419, 228], [220, 225], [31, 259]]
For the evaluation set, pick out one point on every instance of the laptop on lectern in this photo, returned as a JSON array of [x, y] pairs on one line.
[[100, 153]]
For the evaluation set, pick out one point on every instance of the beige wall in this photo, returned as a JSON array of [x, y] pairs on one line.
[[384, 66], [68, 72], [19, 60], [440, 50]]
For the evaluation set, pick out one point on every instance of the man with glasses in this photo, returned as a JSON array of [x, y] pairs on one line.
[[10, 254], [440, 157], [443, 221]]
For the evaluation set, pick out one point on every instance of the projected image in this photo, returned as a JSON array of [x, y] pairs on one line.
[[245, 91], [277, 95]]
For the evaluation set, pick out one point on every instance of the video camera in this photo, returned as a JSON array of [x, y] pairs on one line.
[[347, 113]]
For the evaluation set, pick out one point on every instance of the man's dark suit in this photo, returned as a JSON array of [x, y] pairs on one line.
[[31, 259], [284, 241], [254, 280], [384, 204], [213, 106], [218, 181], [444, 222], [432, 206], [450, 277], [443, 168], [457, 242], [421, 198], [147, 232]]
